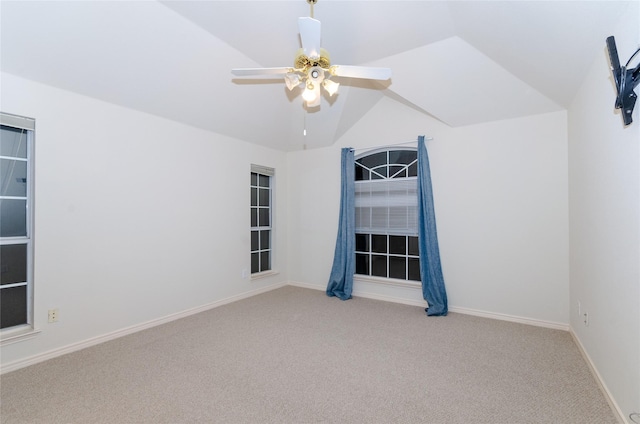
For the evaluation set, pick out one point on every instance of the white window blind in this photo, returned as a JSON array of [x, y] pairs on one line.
[[17, 121], [264, 170], [387, 206]]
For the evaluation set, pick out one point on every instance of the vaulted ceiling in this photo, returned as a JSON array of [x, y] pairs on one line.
[[461, 62]]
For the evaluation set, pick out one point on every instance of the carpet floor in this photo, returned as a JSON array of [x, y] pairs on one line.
[[293, 355]]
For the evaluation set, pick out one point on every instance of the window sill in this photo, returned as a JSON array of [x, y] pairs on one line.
[[14, 335], [387, 281], [263, 274]]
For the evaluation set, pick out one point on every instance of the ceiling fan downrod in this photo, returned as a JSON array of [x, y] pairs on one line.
[[311, 3]]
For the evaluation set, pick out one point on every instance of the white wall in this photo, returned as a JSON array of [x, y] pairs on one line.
[[604, 189], [501, 206], [136, 217]]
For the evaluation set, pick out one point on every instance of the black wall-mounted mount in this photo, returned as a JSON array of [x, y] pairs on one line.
[[626, 80]]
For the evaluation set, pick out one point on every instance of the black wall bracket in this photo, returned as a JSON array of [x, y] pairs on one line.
[[626, 79]]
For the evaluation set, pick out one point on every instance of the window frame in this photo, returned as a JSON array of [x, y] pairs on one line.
[[267, 172], [390, 172], [27, 329]]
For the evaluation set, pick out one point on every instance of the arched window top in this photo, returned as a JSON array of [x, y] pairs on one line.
[[387, 164]]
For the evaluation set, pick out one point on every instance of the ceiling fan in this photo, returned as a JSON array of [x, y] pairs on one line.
[[312, 67]]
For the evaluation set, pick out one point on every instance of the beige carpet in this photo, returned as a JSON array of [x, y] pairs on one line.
[[294, 355]]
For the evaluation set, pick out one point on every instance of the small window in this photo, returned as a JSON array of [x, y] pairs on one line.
[[16, 230], [261, 218], [386, 203]]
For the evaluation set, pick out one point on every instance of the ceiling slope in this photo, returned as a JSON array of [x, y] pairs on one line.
[[462, 62]]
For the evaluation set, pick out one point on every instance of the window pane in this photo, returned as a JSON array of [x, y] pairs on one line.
[[393, 170], [254, 197], [362, 264], [13, 214], [397, 267], [398, 245], [254, 241], [414, 269], [13, 178], [362, 174], [264, 217], [254, 217], [265, 261], [13, 142], [378, 243], [382, 170], [379, 265], [402, 174], [254, 179], [404, 157], [374, 160], [265, 239], [362, 242], [255, 263], [413, 246], [264, 197], [13, 306], [413, 170], [13, 262], [263, 181]]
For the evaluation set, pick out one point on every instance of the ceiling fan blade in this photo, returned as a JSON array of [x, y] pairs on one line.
[[361, 72], [241, 72], [310, 36]]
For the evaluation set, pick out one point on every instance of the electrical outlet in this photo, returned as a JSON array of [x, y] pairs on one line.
[[585, 319], [54, 314], [244, 273]]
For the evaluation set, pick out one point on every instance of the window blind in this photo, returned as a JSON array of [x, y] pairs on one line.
[[264, 170], [387, 206], [17, 121]]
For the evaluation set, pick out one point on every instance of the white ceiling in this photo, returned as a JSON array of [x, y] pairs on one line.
[[462, 62]]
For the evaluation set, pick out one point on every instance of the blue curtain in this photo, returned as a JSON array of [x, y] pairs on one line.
[[433, 289], [344, 258]]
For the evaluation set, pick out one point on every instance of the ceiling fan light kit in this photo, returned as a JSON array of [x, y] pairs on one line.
[[312, 66]]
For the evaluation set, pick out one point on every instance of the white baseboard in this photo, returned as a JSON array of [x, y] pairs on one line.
[[21, 363], [467, 311], [307, 286], [603, 387], [510, 318]]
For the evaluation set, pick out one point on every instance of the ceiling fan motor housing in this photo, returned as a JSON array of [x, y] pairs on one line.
[[302, 62]]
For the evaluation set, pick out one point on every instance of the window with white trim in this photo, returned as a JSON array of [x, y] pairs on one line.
[[261, 218], [16, 229], [386, 203]]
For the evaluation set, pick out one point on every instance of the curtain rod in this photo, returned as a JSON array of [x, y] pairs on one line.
[[391, 145]]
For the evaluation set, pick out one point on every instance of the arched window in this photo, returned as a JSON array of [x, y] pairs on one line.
[[386, 214]]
